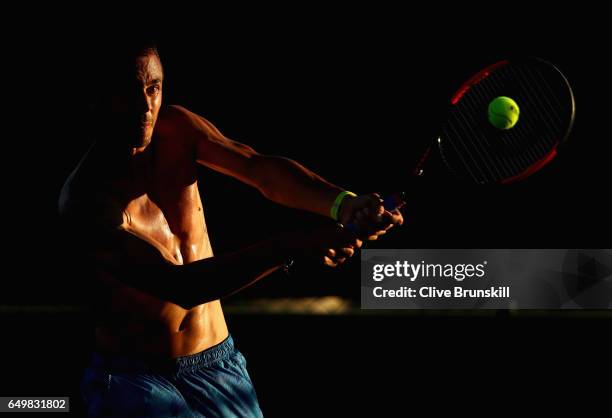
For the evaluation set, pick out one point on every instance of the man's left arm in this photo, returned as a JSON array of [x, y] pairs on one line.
[[280, 179]]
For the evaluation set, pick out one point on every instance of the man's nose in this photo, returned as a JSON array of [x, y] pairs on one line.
[[143, 103]]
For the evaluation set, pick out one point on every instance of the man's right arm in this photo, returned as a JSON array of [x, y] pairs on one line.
[[213, 278], [107, 249]]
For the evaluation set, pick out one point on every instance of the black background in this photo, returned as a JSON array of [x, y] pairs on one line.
[[356, 100], [355, 95]]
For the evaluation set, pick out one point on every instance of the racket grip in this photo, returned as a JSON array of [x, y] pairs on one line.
[[391, 202]]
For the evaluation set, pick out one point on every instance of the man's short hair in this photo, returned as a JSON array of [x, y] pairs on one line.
[[112, 62]]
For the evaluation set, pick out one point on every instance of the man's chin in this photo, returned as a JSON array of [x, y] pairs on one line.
[[142, 142]]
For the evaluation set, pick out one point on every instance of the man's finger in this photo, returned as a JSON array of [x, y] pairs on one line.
[[375, 200], [329, 262], [348, 252], [394, 218]]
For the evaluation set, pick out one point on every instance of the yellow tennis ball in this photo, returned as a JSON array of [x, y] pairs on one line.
[[503, 112]]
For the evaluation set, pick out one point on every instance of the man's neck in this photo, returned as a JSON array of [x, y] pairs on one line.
[[119, 153], [127, 163]]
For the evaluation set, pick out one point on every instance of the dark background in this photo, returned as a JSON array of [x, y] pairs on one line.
[[355, 100], [355, 97]]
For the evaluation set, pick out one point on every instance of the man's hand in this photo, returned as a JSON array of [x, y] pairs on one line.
[[368, 216], [332, 244], [340, 252]]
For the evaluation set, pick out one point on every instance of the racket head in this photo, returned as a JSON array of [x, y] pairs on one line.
[[473, 149]]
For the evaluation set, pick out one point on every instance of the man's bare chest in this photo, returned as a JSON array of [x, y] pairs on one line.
[[171, 218]]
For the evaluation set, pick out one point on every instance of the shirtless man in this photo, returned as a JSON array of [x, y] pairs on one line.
[[134, 212]]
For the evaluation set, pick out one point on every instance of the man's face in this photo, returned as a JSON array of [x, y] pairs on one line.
[[136, 100]]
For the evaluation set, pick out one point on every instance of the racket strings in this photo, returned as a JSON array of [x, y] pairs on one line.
[[472, 146], [524, 152]]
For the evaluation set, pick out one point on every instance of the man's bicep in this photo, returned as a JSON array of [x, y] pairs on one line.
[[229, 157], [212, 148]]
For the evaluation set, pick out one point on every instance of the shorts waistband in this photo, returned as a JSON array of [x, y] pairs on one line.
[[124, 363]]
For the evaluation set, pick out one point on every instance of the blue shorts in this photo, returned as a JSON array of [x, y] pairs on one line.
[[212, 383]]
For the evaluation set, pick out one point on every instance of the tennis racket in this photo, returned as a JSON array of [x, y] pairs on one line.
[[470, 147]]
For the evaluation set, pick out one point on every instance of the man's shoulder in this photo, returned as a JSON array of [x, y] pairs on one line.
[[172, 118], [82, 206], [177, 113], [82, 210], [176, 119], [72, 193]]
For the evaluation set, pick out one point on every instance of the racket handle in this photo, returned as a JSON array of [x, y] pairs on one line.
[[391, 202]]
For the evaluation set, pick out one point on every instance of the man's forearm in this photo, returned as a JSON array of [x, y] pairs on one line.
[[288, 183], [213, 278]]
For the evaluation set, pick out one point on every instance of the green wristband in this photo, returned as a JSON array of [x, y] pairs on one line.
[[334, 209]]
